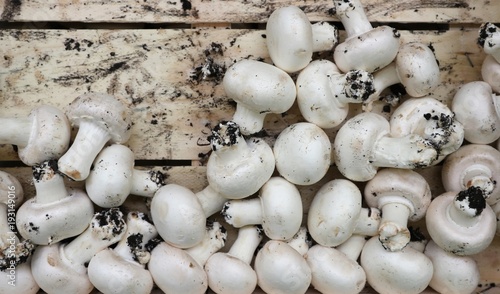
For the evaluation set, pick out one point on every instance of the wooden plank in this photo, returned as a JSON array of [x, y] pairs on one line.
[[151, 70], [238, 11]]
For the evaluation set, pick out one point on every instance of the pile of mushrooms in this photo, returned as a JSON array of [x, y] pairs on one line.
[[67, 240]]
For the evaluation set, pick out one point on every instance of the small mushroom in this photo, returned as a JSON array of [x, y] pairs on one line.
[[461, 222], [477, 108], [180, 271], [62, 267], [401, 195], [365, 47], [335, 214], [121, 270], [101, 118], [43, 135], [364, 143], [113, 178], [452, 274], [303, 153], [489, 39], [231, 272], [291, 39], [490, 72], [281, 267], [278, 209], [55, 212]]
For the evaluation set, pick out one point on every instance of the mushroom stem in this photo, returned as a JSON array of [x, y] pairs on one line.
[[480, 176], [239, 213], [49, 185], [106, 228], [393, 231], [211, 201], [408, 152], [353, 246], [301, 241], [325, 36], [352, 15], [368, 222], [466, 206], [249, 120], [213, 241], [383, 79], [243, 248], [146, 182], [15, 131], [89, 141], [355, 86]]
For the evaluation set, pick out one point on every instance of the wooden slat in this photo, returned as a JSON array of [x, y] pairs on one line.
[[238, 11], [150, 70]]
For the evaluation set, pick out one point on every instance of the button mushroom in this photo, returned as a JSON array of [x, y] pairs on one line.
[[258, 88], [62, 267], [121, 269], [335, 214], [291, 39], [489, 39], [113, 178], [401, 195], [100, 118], [363, 144], [303, 153], [43, 135], [55, 212], [461, 222], [490, 73], [278, 209], [365, 47], [231, 272], [181, 271]]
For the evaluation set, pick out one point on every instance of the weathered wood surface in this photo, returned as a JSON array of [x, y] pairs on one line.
[[240, 11]]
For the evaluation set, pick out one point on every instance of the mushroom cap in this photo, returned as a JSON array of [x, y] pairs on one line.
[[11, 190], [475, 108], [475, 159], [303, 153], [48, 223], [289, 38], [178, 216], [334, 212], [228, 274], [333, 272], [175, 271], [104, 110], [456, 238], [109, 273], [489, 39], [281, 208], [23, 279], [452, 273], [49, 137], [490, 72], [403, 271], [316, 101], [369, 51], [417, 69], [110, 180], [408, 184], [354, 143], [281, 269], [54, 273]]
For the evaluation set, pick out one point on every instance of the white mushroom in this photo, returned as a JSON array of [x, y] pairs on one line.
[[62, 267], [303, 153], [461, 222], [365, 47], [55, 212], [180, 271], [430, 119], [335, 214], [489, 39], [231, 272], [43, 135], [291, 39], [258, 88], [363, 144], [121, 270], [281, 267], [453, 274], [113, 178], [401, 195], [477, 108], [278, 209], [490, 72], [100, 118]]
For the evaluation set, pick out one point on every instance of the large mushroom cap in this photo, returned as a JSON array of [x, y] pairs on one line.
[[228, 274], [106, 111]]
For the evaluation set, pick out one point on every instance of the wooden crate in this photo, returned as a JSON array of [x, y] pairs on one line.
[[150, 52]]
